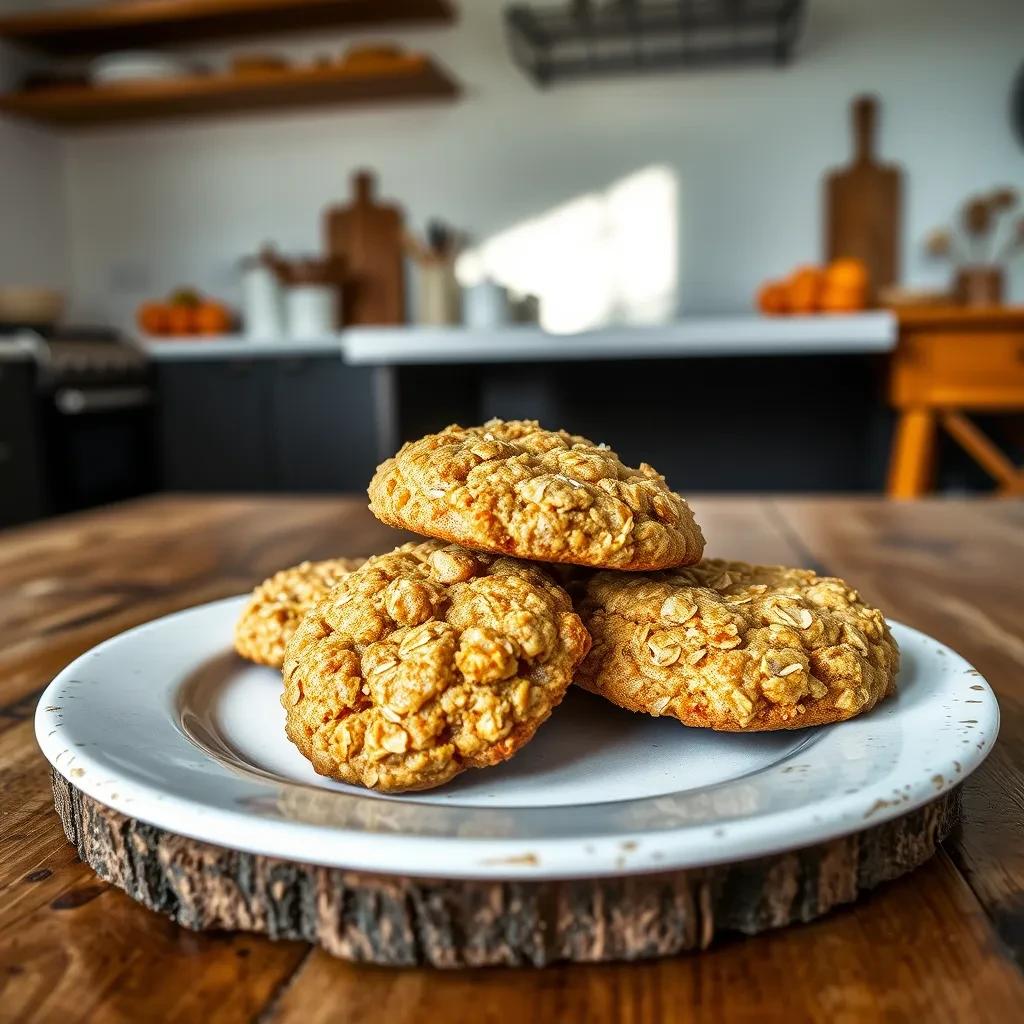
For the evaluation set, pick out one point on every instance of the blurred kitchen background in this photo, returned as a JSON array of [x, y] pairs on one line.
[[252, 245]]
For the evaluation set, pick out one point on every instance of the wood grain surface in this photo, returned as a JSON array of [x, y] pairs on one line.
[[943, 944], [107, 25], [367, 236], [408, 77]]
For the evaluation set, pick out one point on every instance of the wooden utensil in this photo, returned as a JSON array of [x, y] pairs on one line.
[[863, 205], [369, 237]]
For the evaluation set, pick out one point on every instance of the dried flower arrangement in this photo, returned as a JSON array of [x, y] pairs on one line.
[[988, 236], [980, 221]]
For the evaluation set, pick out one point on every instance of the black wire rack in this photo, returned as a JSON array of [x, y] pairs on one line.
[[582, 38]]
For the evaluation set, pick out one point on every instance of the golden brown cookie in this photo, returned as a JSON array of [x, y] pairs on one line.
[[428, 661], [514, 488], [736, 647], [278, 604]]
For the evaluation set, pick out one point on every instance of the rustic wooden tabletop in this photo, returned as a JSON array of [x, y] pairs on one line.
[[943, 944]]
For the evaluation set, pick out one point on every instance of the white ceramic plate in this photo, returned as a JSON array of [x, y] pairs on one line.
[[164, 723]]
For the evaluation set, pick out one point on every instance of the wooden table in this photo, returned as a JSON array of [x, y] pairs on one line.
[[943, 944]]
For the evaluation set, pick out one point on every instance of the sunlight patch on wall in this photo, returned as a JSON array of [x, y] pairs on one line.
[[603, 258]]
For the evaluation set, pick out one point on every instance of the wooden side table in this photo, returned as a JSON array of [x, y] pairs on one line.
[[948, 364]]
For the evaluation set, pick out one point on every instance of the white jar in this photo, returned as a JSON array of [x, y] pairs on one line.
[[262, 305], [485, 304], [310, 310]]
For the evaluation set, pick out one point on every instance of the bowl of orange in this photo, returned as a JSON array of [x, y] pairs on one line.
[[839, 287], [186, 313]]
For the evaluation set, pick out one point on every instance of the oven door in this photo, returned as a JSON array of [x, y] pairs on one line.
[[100, 444]]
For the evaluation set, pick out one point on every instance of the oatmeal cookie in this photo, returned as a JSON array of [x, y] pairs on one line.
[[735, 647], [514, 488], [278, 604], [427, 661]]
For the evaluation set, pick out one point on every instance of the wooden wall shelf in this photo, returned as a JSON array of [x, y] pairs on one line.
[[117, 24], [398, 78]]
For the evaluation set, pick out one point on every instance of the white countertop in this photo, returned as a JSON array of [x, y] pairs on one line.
[[237, 345], [697, 336], [693, 336]]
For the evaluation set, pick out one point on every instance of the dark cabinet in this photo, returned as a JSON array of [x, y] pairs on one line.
[[324, 435], [22, 493], [213, 430], [269, 424]]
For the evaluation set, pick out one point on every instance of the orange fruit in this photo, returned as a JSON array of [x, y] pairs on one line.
[[843, 298], [847, 273], [212, 317], [772, 298], [152, 318], [181, 320], [804, 289]]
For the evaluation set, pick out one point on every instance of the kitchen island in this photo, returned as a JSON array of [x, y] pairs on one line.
[[268, 408]]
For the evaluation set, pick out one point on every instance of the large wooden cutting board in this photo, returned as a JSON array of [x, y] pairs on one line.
[[863, 205], [368, 237]]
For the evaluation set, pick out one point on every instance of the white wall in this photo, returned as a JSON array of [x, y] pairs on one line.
[[151, 207], [33, 244]]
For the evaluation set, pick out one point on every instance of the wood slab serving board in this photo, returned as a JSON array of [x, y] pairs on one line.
[[402, 921]]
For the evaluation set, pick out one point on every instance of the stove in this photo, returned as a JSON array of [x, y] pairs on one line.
[[76, 421]]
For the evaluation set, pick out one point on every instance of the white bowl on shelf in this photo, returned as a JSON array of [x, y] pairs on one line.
[[137, 66]]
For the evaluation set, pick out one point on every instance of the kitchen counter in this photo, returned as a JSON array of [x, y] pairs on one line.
[[690, 337], [941, 944], [260, 409], [238, 346], [695, 336]]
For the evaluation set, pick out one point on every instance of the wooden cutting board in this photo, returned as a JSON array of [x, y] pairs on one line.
[[368, 237], [863, 204]]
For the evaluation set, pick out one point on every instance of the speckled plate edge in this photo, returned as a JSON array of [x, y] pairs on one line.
[[109, 724]]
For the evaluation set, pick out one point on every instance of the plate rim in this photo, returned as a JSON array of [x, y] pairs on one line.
[[459, 857]]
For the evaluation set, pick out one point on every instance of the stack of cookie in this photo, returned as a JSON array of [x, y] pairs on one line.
[[550, 562]]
